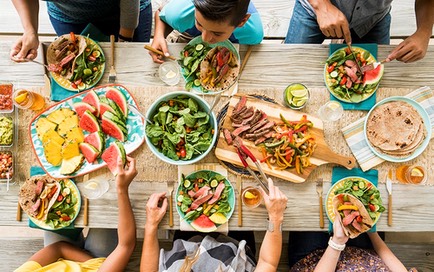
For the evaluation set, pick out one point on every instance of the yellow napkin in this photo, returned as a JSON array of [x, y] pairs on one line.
[[188, 169]]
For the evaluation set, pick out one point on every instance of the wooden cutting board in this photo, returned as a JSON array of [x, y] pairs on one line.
[[322, 154]]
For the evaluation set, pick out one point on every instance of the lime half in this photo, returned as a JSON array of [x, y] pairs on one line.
[[296, 95]]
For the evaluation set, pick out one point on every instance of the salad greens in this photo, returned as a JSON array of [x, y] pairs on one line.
[[193, 183], [190, 58], [180, 129], [64, 209], [366, 192], [89, 66]]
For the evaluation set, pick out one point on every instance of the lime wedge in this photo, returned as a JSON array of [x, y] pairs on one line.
[[299, 102], [299, 92]]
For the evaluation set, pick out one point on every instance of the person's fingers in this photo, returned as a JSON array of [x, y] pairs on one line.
[[164, 206], [119, 166], [32, 54], [339, 32], [156, 58], [326, 32], [264, 195], [332, 32], [131, 164], [271, 187]]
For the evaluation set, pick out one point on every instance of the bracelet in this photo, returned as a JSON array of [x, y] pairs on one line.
[[123, 38], [335, 246]]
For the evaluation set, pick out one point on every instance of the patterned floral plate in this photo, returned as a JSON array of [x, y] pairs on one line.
[[135, 126]]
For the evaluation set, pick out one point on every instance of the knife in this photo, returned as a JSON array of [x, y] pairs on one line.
[[389, 202], [355, 59]]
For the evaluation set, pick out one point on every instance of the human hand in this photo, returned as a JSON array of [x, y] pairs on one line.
[[333, 22], [339, 235], [125, 175], [275, 201], [155, 213], [26, 47], [159, 43], [411, 49]]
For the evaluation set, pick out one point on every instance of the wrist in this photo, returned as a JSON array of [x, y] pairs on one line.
[[336, 245], [123, 38], [151, 227], [339, 240], [274, 225]]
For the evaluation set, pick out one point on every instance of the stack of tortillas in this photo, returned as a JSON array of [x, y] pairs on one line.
[[395, 129]]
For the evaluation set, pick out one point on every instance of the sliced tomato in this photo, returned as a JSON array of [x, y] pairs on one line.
[[343, 81], [372, 207], [330, 68], [59, 198]]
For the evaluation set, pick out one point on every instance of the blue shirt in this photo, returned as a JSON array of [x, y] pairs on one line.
[[179, 14], [362, 15]]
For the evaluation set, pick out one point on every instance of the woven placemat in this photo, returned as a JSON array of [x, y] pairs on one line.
[[151, 169]]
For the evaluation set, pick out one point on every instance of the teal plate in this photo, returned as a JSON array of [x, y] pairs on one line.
[[74, 190], [228, 44], [135, 126], [231, 197], [426, 121]]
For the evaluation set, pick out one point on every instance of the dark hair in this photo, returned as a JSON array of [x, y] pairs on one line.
[[223, 10]]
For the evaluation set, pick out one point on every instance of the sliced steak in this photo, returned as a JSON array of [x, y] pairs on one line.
[[200, 201], [217, 193], [258, 125], [228, 136], [202, 191], [349, 218], [240, 104], [240, 130], [256, 118], [357, 226]]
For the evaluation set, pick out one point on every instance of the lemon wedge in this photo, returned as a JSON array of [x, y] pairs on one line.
[[171, 74], [21, 98], [249, 195], [333, 105], [218, 218], [415, 172], [91, 185]]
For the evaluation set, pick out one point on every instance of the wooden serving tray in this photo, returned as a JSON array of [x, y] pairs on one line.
[[322, 155]]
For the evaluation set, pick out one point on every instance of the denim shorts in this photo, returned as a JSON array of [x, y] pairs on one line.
[[303, 28]]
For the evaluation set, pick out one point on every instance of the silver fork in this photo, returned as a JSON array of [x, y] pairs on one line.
[[319, 191], [112, 74], [170, 185]]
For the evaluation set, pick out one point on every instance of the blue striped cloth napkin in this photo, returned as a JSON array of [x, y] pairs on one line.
[[355, 136]]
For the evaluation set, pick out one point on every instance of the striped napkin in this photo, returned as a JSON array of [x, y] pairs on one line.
[[188, 169], [355, 136]]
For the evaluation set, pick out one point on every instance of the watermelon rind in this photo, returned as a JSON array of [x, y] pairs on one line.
[[113, 129], [370, 78], [119, 98], [115, 118], [89, 152], [203, 224], [89, 122], [111, 155], [81, 107], [117, 110], [104, 106], [92, 99], [96, 139]]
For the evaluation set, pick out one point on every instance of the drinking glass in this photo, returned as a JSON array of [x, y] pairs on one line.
[[169, 72], [94, 188], [331, 111], [251, 197], [25, 99]]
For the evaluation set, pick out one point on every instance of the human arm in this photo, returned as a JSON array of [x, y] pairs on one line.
[[118, 259], [331, 20], [271, 248], [159, 42], [151, 248], [27, 45], [330, 257], [414, 47], [392, 262], [129, 18]]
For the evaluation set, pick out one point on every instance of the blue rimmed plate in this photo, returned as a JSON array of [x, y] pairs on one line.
[[426, 121]]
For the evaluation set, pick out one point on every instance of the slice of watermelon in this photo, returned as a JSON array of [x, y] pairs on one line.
[[89, 122], [119, 98], [203, 224], [117, 110], [81, 107], [373, 76], [111, 154], [96, 139], [89, 152], [113, 128], [92, 99]]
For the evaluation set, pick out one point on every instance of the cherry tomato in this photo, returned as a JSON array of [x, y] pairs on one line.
[[91, 58], [59, 198], [343, 81], [330, 68], [78, 81], [185, 53], [66, 218], [372, 207], [183, 152], [341, 198], [359, 219], [73, 85]]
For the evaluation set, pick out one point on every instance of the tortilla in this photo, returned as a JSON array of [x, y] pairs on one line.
[[206, 71], [366, 223], [61, 48], [34, 193], [396, 129]]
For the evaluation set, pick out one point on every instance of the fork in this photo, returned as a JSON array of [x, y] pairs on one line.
[[372, 66], [319, 191], [170, 185], [112, 74]]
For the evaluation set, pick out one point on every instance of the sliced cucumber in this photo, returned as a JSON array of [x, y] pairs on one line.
[[199, 47], [180, 198], [187, 183], [214, 183], [196, 82], [334, 74], [362, 184], [66, 191]]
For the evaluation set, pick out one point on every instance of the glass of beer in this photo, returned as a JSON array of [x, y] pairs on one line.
[[251, 197], [412, 174], [25, 99]]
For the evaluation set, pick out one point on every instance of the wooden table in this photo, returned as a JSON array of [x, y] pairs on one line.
[[270, 69]]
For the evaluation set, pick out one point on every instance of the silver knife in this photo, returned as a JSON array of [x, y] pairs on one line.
[[389, 202], [355, 59]]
